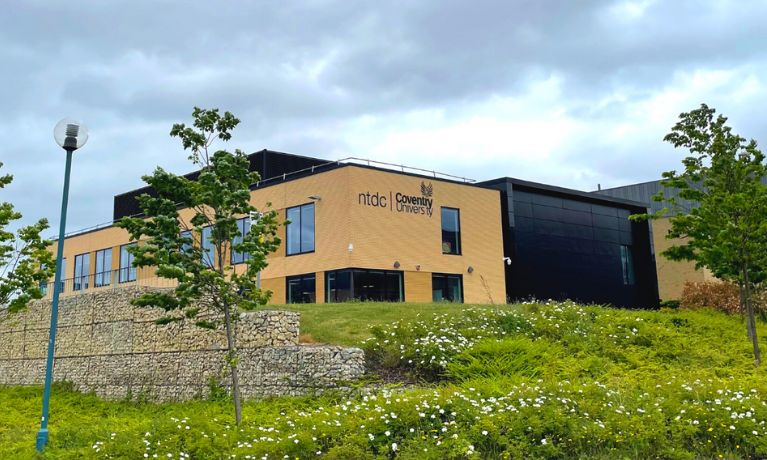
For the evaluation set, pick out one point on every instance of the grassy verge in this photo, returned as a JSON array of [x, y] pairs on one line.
[[349, 323]]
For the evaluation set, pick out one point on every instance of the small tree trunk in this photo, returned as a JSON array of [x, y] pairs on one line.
[[232, 358], [231, 342], [750, 317], [743, 313]]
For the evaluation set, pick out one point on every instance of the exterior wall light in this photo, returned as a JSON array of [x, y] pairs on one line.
[[418, 268], [70, 135], [396, 264], [351, 247], [470, 269], [315, 197]]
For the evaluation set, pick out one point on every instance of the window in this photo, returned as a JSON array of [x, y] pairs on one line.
[[302, 289], [244, 227], [82, 271], [300, 231], [339, 286], [103, 275], [208, 248], [63, 282], [447, 288], [627, 262], [451, 231], [127, 270], [365, 285], [186, 246]]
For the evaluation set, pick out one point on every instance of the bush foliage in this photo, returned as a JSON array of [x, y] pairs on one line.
[[546, 380], [719, 295]]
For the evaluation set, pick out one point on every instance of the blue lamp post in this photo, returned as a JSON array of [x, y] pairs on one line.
[[70, 135]]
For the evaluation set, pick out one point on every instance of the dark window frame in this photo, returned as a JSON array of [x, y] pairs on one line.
[[130, 271], [245, 256], [77, 279], [99, 277], [301, 278], [300, 208], [459, 243], [446, 276], [204, 251], [352, 295]]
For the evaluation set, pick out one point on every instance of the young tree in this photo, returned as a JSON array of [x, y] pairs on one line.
[[25, 262], [727, 231], [194, 251]]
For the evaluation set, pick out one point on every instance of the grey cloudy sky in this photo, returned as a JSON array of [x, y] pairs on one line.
[[571, 93]]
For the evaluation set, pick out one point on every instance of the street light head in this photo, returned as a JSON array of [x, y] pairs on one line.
[[70, 134]]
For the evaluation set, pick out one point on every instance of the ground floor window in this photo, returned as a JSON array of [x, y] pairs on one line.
[[447, 287], [364, 285], [302, 289]]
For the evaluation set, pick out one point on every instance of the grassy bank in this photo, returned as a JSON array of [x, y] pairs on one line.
[[349, 323], [554, 380]]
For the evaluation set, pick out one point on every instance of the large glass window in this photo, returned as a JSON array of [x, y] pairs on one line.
[[82, 271], [302, 289], [103, 275], [339, 286], [208, 248], [451, 231], [447, 287], [127, 270], [364, 285], [627, 263], [244, 227], [300, 231]]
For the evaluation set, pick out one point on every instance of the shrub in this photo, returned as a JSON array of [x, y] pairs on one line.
[[719, 295], [672, 304]]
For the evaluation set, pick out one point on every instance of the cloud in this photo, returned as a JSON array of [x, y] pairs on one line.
[[568, 93]]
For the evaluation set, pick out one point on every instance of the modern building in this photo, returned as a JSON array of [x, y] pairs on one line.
[[566, 244], [367, 230], [672, 275]]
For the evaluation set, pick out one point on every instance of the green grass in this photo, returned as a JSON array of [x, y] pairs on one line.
[[527, 381], [348, 323]]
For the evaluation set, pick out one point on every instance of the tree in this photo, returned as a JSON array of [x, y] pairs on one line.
[[191, 226], [727, 231], [25, 261]]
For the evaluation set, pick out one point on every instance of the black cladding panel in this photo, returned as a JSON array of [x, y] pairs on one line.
[[567, 244]]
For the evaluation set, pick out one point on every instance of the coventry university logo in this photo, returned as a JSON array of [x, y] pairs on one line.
[[427, 190], [401, 202]]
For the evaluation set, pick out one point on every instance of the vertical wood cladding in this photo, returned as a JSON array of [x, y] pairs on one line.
[[377, 235]]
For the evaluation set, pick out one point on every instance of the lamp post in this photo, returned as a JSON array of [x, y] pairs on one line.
[[70, 135]]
